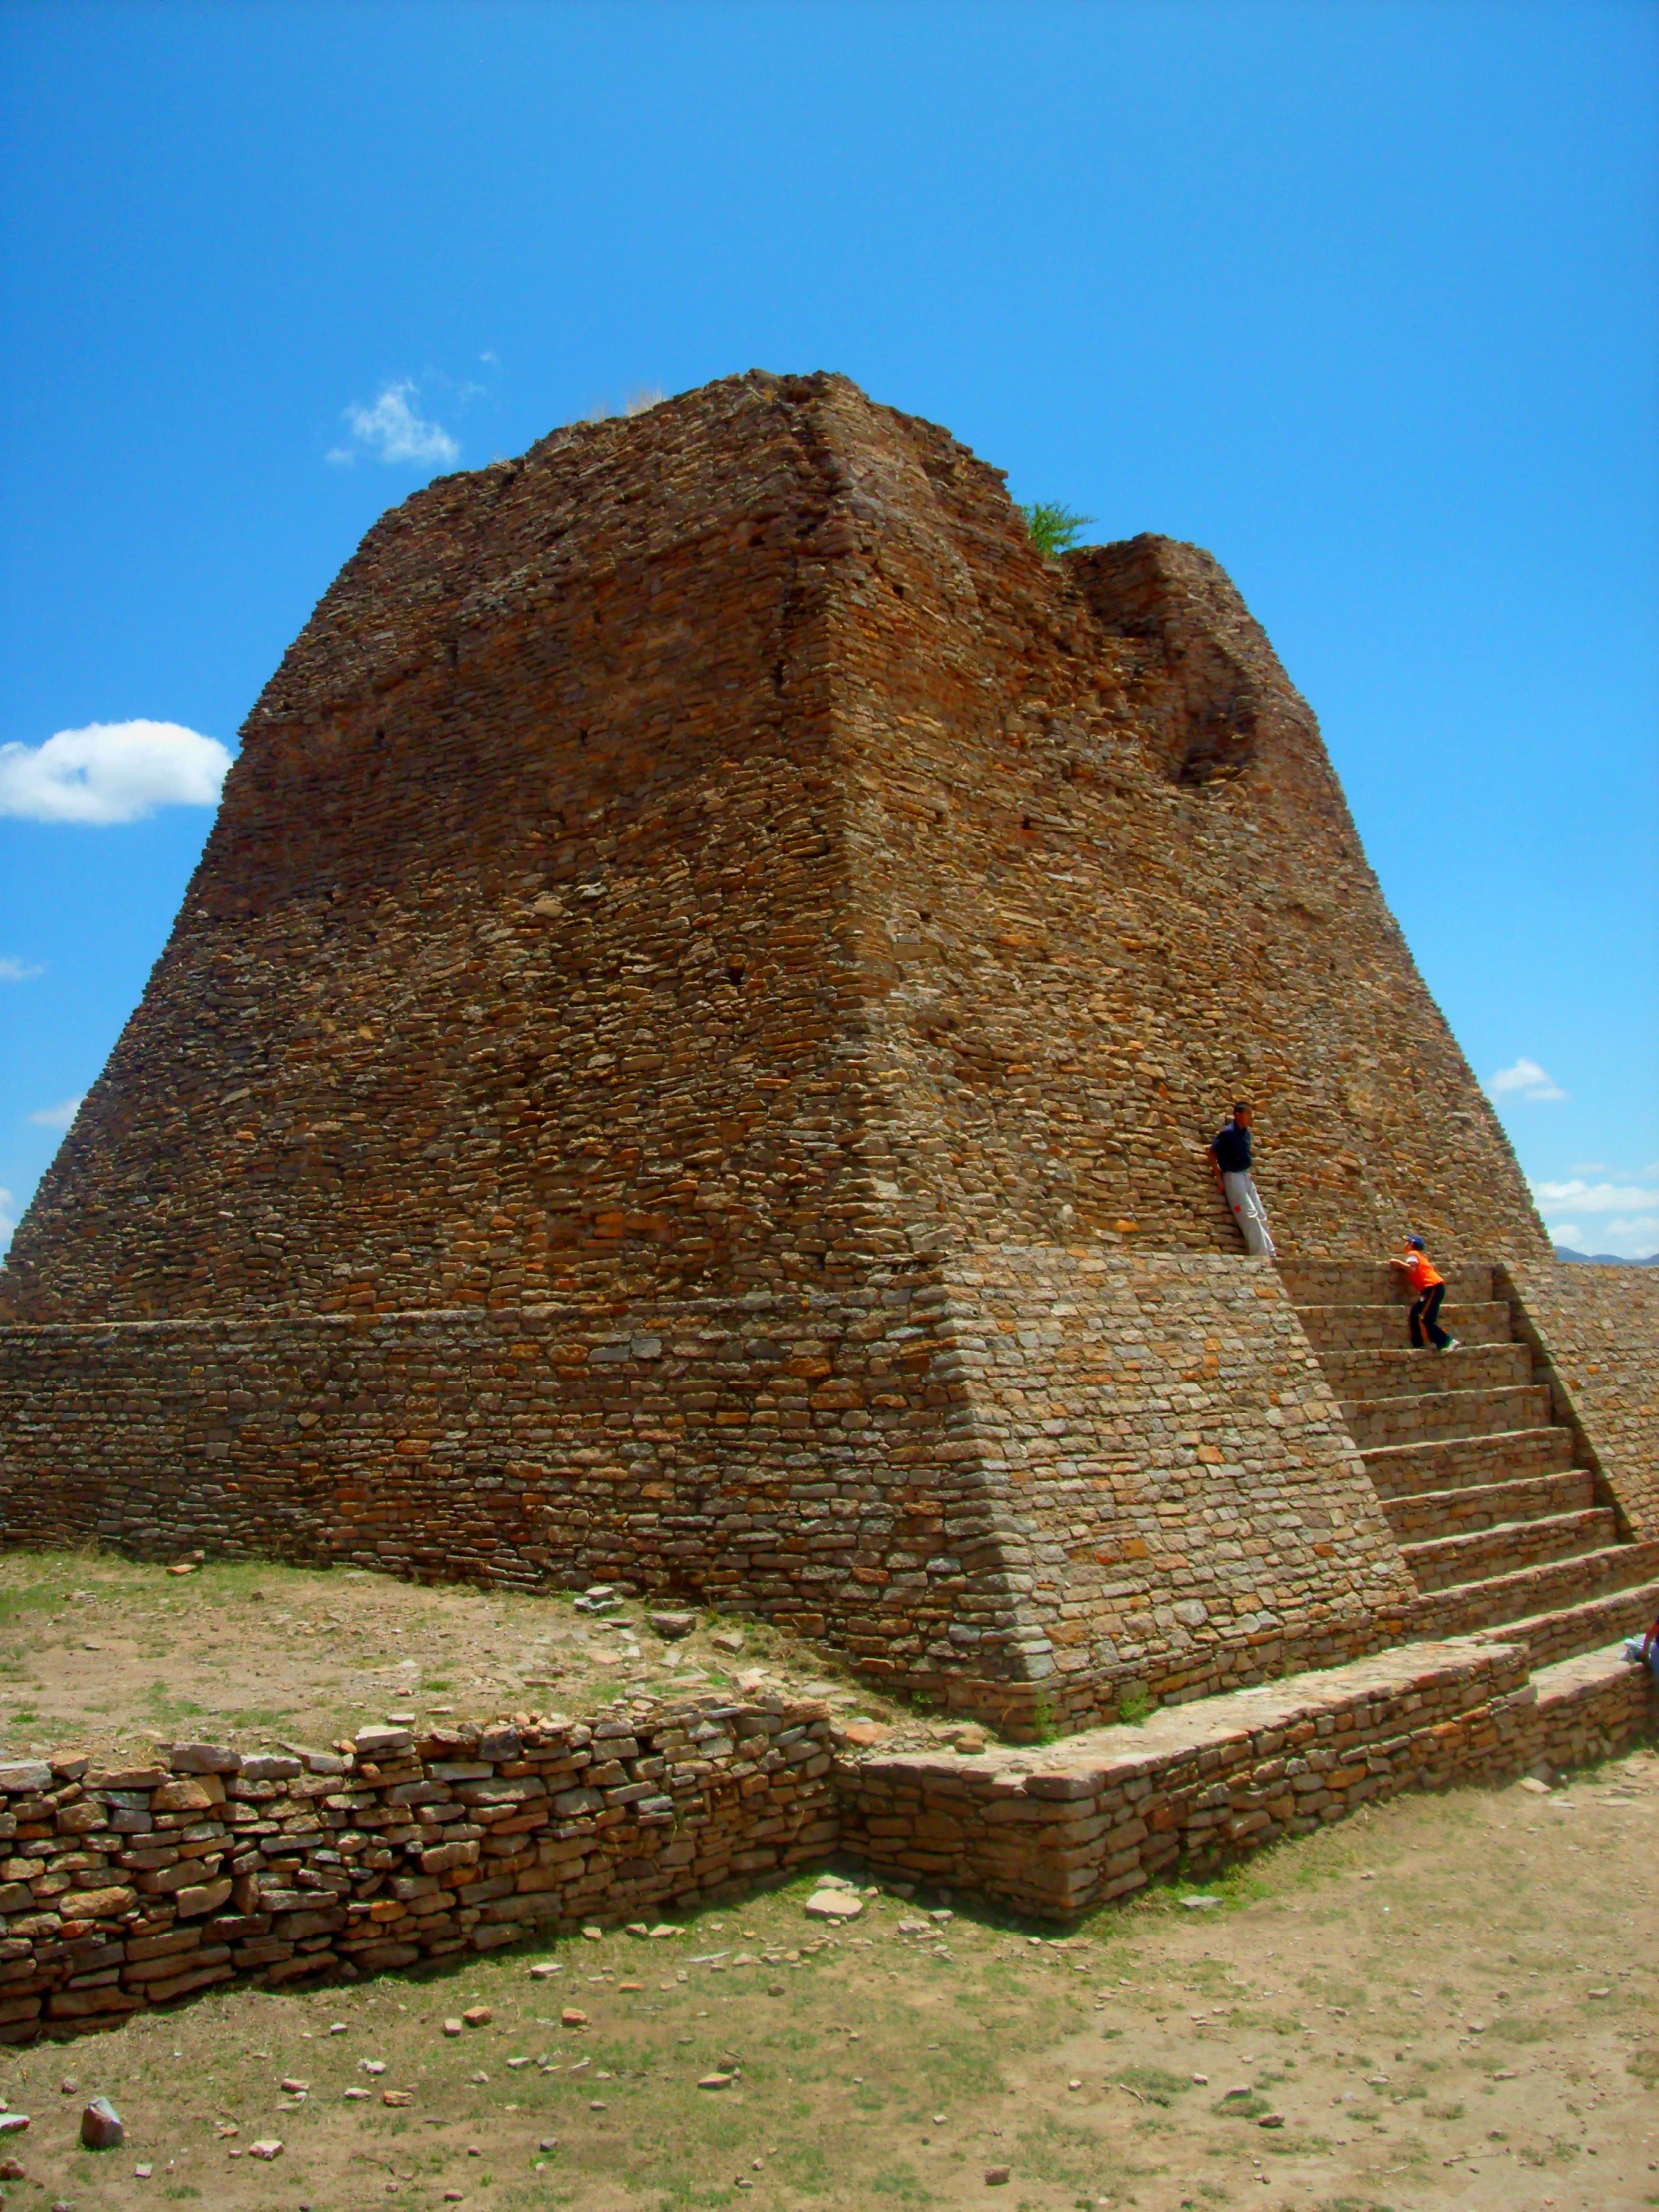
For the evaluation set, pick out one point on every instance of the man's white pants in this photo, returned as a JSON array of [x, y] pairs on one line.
[[1250, 1214]]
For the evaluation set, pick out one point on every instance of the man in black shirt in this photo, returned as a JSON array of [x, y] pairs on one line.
[[1229, 1158]]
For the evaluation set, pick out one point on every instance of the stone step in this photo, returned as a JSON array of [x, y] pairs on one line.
[[1369, 1283], [1426, 1516], [1401, 1371], [1359, 1328], [1415, 1420], [1587, 1626], [1561, 1586], [1593, 1706], [1467, 1462], [1510, 1547]]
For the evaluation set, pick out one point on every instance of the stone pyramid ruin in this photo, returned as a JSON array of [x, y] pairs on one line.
[[687, 1059]]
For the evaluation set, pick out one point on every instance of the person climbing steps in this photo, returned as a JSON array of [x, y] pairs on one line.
[[1429, 1285]]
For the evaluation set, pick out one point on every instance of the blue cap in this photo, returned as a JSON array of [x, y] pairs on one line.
[[1416, 1243]]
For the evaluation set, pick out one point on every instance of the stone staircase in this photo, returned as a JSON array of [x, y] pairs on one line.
[[1502, 1529]]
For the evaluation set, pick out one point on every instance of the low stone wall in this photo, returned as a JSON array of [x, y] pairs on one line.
[[121, 1890], [1593, 1707], [1197, 1785], [124, 1889]]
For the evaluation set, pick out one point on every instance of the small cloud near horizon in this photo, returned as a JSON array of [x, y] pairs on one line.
[[59, 1116], [1597, 1198], [19, 971], [8, 1219], [394, 431], [111, 772], [1525, 1080]]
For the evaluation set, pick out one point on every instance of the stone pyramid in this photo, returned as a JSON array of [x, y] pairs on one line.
[[710, 940]]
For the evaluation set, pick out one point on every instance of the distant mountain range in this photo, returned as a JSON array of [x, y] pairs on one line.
[[1607, 1259]]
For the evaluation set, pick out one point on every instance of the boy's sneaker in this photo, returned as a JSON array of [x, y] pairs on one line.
[[1451, 1344]]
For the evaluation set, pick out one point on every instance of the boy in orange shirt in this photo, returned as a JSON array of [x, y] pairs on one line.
[[1429, 1285]]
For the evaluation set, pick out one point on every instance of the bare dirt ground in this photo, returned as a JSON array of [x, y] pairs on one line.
[[106, 1655], [1446, 2002]]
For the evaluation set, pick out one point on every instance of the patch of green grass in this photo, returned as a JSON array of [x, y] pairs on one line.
[[1517, 2029], [1241, 2109], [1154, 2084]]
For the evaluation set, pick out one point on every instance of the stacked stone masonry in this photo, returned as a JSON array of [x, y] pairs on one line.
[[121, 1890], [1203, 1785], [1023, 1483], [719, 848], [124, 1888], [687, 1058]]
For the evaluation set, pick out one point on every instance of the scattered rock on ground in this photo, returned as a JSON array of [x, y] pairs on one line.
[[101, 2127], [834, 1905]]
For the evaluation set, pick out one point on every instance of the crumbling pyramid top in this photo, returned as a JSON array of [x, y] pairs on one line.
[[718, 846]]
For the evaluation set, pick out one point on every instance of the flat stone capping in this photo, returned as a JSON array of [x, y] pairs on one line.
[[1056, 1831]]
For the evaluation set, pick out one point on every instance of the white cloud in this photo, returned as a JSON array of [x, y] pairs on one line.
[[111, 772], [1596, 1198], [392, 431], [1567, 1233], [18, 972], [1526, 1079], [8, 1219], [59, 1116]]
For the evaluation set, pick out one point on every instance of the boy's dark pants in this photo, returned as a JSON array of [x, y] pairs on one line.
[[1425, 1315]]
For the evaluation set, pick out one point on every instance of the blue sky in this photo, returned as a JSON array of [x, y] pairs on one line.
[[1362, 297]]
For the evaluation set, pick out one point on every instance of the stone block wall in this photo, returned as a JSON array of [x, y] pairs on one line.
[[120, 1889], [1201, 1787], [1105, 881], [1164, 1451], [1594, 1333], [719, 849], [1021, 1485]]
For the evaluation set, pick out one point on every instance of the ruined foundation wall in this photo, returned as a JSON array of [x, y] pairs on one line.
[[137, 1886]]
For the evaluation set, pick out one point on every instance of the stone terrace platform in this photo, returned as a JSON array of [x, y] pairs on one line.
[[1056, 1831]]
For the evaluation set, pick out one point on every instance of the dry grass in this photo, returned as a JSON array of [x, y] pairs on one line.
[[105, 1655]]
